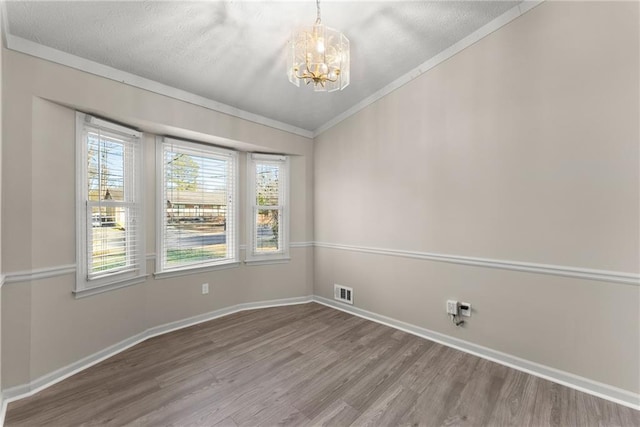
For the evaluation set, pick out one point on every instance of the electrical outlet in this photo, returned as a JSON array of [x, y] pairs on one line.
[[465, 309], [452, 307], [205, 288]]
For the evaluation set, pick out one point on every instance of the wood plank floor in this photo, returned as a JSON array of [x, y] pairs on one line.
[[306, 365]]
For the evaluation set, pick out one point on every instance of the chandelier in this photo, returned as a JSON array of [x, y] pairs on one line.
[[319, 55]]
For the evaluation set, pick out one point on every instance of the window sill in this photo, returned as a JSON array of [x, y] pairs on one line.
[[194, 270], [262, 261], [110, 287]]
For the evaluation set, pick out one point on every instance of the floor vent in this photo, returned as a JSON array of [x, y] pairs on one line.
[[342, 293]]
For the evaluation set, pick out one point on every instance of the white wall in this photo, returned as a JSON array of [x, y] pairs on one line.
[[44, 327], [523, 147]]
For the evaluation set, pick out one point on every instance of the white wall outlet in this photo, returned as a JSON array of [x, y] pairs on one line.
[[452, 307], [205, 288], [465, 309]]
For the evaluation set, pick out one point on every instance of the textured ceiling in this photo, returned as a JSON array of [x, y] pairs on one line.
[[234, 52]]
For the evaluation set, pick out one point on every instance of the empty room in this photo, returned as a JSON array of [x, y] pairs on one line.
[[320, 213]]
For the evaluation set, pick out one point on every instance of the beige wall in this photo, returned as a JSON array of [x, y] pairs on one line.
[[525, 147], [1, 270], [44, 327], [522, 147]]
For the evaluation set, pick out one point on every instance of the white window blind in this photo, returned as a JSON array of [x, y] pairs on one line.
[[197, 206], [110, 233], [268, 177]]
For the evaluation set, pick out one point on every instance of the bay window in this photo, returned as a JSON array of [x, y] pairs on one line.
[[197, 207], [268, 207], [110, 239]]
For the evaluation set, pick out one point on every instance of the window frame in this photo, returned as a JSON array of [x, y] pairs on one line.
[[232, 213], [283, 255], [133, 171]]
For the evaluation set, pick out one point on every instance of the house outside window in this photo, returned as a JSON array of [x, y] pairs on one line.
[[268, 207], [110, 246], [197, 207]]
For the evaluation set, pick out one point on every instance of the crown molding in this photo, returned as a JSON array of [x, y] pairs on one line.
[[471, 39], [28, 47]]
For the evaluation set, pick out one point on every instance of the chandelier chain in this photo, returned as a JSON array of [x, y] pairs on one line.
[[318, 8]]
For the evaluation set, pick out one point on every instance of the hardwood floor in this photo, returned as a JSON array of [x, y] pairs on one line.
[[306, 365]]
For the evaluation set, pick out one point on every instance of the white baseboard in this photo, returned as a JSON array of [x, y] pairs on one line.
[[586, 385], [604, 391], [25, 390]]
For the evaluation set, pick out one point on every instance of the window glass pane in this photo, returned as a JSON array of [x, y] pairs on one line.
[[195, 233], [268, 201], [105, 161], [267, 230], [197, 199], [109, 239], [267, 184], [110, 245]]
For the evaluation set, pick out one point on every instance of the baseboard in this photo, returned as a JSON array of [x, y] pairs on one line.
[[604, 391], [586, 385], [25, 390]]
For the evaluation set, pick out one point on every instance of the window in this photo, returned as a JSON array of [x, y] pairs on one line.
[[268, 189], [197, 225], [110, 251]]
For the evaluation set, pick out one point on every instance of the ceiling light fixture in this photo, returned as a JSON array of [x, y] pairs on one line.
[[319, 54]]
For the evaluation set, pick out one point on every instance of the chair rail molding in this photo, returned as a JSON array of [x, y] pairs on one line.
[[39, 273], [528, 267], [61, 270]]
